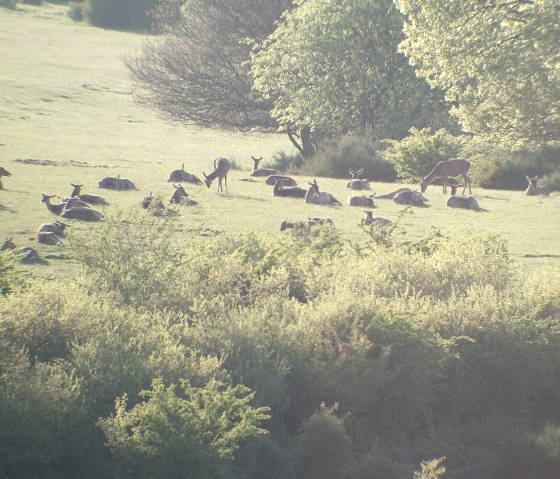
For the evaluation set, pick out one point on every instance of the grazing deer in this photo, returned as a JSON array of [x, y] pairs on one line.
[[262, 171], [370, 219], [412, 198], [315, 196], [3, 172], [448, 169], [361, 200], [355, 183], [221, 169], [280, 189], [533, 189], [465, 202], [392, 194], [93, 199], [182, 176], [286, 180]]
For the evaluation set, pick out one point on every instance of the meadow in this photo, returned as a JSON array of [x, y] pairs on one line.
[[67, 116]]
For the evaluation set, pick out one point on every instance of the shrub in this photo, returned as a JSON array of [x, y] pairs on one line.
[[121, 14], [195, 431], [11, 4], [286, 162], [336, 158], [76, 11], [416, 155]]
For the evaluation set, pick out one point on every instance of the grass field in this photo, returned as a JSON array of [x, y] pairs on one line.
[[66, 115]]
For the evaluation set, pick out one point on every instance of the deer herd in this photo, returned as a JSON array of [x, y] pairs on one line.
[[80, 206]]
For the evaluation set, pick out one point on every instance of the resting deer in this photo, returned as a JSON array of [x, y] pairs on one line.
[[286, 180], [3, 172], [117, 183], [221, 169], [182, 176], [48, 237], [392, 194], [83, 214], [280, 189], [533, 189], [465, 202], [370, 219], [262, 171], [8, 245], [412, 198], [56, 209], [181, 196], [355, 183], [315, 196], [448, 169], [56, 227], [361, 200], [93, 199]]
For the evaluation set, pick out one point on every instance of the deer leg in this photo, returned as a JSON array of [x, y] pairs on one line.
[[444, 178]]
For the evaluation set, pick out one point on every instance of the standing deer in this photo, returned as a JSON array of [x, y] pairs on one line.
[[221, 169], [533, 189], [355, 183], [3, 172], [448, 169], [262, 171]]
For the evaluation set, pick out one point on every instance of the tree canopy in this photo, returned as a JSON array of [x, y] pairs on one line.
[[498, 63], [335, 67]]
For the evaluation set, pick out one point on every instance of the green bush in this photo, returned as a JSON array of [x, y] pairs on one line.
[[336, 158], [121, 14], [416, 155], [195, 431], [287, 162]]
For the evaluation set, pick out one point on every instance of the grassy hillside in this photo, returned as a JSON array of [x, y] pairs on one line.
[[66, 115]]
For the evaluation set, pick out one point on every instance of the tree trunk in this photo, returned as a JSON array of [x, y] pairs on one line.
[[307, 147]]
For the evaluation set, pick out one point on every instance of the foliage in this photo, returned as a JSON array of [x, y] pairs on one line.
[[10, 277], [374, 465], [76, 11], [287, 163], [324, 445], [197, 430], [333, 67], [416, 155], [195, 71], [497, 63], [433, 469], [356, 152], [11, 4], [121, 14]]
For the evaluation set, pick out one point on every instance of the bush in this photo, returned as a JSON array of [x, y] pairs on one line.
[[286, 162], [121, 14], [416, 155], [76, 11], [336, 158], [11, 4]]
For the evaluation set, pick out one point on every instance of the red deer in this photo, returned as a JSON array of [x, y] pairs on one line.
[[355, 183], [221, 169], [448, 169], [262, 171]]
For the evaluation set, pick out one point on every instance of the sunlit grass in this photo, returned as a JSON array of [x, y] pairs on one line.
[[66, 104]]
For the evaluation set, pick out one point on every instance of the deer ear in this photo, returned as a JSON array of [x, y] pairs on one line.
[[360, 171]]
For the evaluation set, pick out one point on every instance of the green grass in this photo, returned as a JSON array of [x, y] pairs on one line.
[[66, 101]]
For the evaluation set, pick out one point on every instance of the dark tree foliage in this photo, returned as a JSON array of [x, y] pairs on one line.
[[196, 71]]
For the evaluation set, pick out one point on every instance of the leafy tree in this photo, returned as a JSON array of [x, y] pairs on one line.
[[197, 431], [333, 67], [496, 61], [196, 71]]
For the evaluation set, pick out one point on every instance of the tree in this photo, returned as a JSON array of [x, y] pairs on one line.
[[496, 61], [196, 70], [334, 67]]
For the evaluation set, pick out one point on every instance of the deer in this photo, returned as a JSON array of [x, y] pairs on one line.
[[315, 196], [355, 183], [221, 169], [182, 176], [413, 198], [392, 194], [288, 191], [117, 183], [465, 202], [3, 172], [83, 214], [181, 196], [262, 171], [56, 227], [56, 209], [93, 199], [8, 245], [361, 200], [287, 180], [285, 225], [48, 237], [533, 189], [370, 219], [448, 169]]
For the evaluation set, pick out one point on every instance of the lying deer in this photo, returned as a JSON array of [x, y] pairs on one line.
[[448, 169], [534, 190], [465, 202], [370, 219], [412, 198], [181, 196], [392, 194], [221, 169], [315, 196], [280, 189], [93, 199], [117, 183], [361, 200], [287, 180], [181, 175], [355, 183], [262, 171]]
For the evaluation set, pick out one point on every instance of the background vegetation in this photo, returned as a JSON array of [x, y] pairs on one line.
[[209, 344]]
